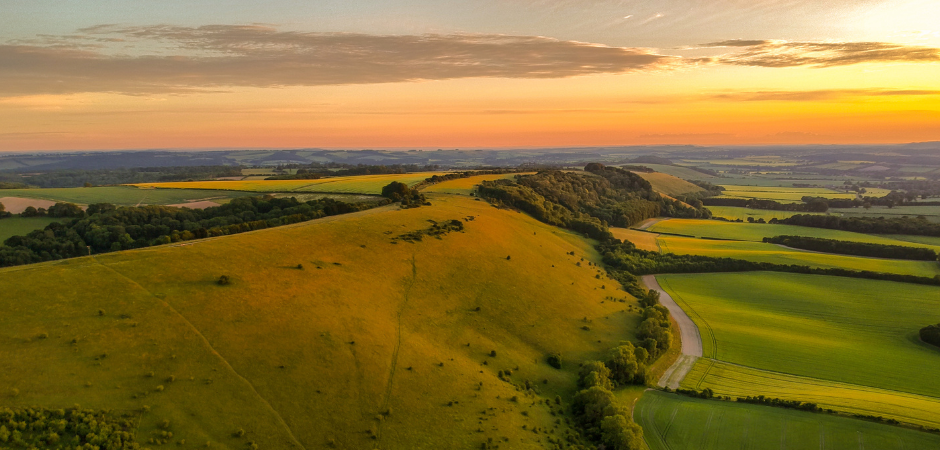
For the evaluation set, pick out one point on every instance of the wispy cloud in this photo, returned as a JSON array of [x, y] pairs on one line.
[[819, 95], [767, 53], [220, 56], [165, 59]]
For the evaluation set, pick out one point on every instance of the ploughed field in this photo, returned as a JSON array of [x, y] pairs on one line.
[[676, 422], [331, 332], [860, 334]]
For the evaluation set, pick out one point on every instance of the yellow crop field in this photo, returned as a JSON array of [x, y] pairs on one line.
[[772, 253], [642, 240], [668, 184], [738, 381], [361, 184], [467, 185], [781, 194], [734, 213], [330, 333]]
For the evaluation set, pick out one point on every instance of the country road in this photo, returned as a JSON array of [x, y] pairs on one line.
[[691, 339]]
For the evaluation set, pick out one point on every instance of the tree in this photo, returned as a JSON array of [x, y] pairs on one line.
[[620, 433], [594, 373], [622, 363], [396, 191], [591, 405]]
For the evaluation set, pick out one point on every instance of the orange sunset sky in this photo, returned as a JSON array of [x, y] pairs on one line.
[[462, 74]]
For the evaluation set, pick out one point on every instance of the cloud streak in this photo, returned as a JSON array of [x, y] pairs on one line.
[[166, 59], [766, 53]]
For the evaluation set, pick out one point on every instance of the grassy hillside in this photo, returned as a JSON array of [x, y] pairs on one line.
[[758, 231], [668, 184], [361, 184], [681, 423], [772, 253], [374, 342], [642, 240], [13, 226], [853, 331]]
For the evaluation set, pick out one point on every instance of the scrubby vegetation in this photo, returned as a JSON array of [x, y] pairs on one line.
[[436, 230], [106, 228], [40, 428], [584, 203], [402, 193], [854, 248], [931, 334]]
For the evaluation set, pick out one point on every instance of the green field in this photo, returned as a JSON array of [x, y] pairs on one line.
[[771, 253], [19, 226], [717, 229], [780, 194], [684, 173], [464, 186], [673, 422], [847, 330], [739, 381], [121, 195], [734, 212], [361, 184], [932, 213], [370, 344]]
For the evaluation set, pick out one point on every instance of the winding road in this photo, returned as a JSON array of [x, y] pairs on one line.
[[691, 338]]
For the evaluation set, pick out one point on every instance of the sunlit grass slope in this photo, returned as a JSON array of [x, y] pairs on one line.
[[847, 330], [739, 381], [772, 253], [361, 184], [674, 422], [369, 344], [758, 231], [643, 240], [668, 184], [121, 195]]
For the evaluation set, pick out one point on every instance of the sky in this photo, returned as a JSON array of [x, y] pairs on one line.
[[121, 74]]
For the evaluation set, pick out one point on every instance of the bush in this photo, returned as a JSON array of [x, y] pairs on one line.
[[554, 360], [931, 334], [224, 280]]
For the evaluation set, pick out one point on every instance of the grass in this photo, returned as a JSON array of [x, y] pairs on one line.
[[738, 381], [120, 195], [19, 226], [734, 212], [684, 173], [668, 184], [780, 194], [717, 229], [675, 422], [761, 252], [932, 213], [643, 240], [366, 326], [362, 184], [927, 240], [861, 332], [464, 186]]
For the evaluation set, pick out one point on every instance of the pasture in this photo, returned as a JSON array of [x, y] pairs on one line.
[[717, 229], [932, 213], [772, 253], [331, 333], [685, 173], [361, 184], [734, 213], [668, 184], [847, 330], [673, 422], [643, 240], [121, 195], [19, 226], [739, 381]]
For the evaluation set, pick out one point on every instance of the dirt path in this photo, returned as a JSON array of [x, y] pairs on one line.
[[691, 338], [649, 222]]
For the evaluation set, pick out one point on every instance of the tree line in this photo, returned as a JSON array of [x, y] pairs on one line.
[[918, 226], [854, 248], [104, 227], [315, 170], [753, 203]]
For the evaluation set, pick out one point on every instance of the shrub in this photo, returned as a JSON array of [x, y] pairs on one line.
[[554, 360], [224, 280], [931, 334]]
